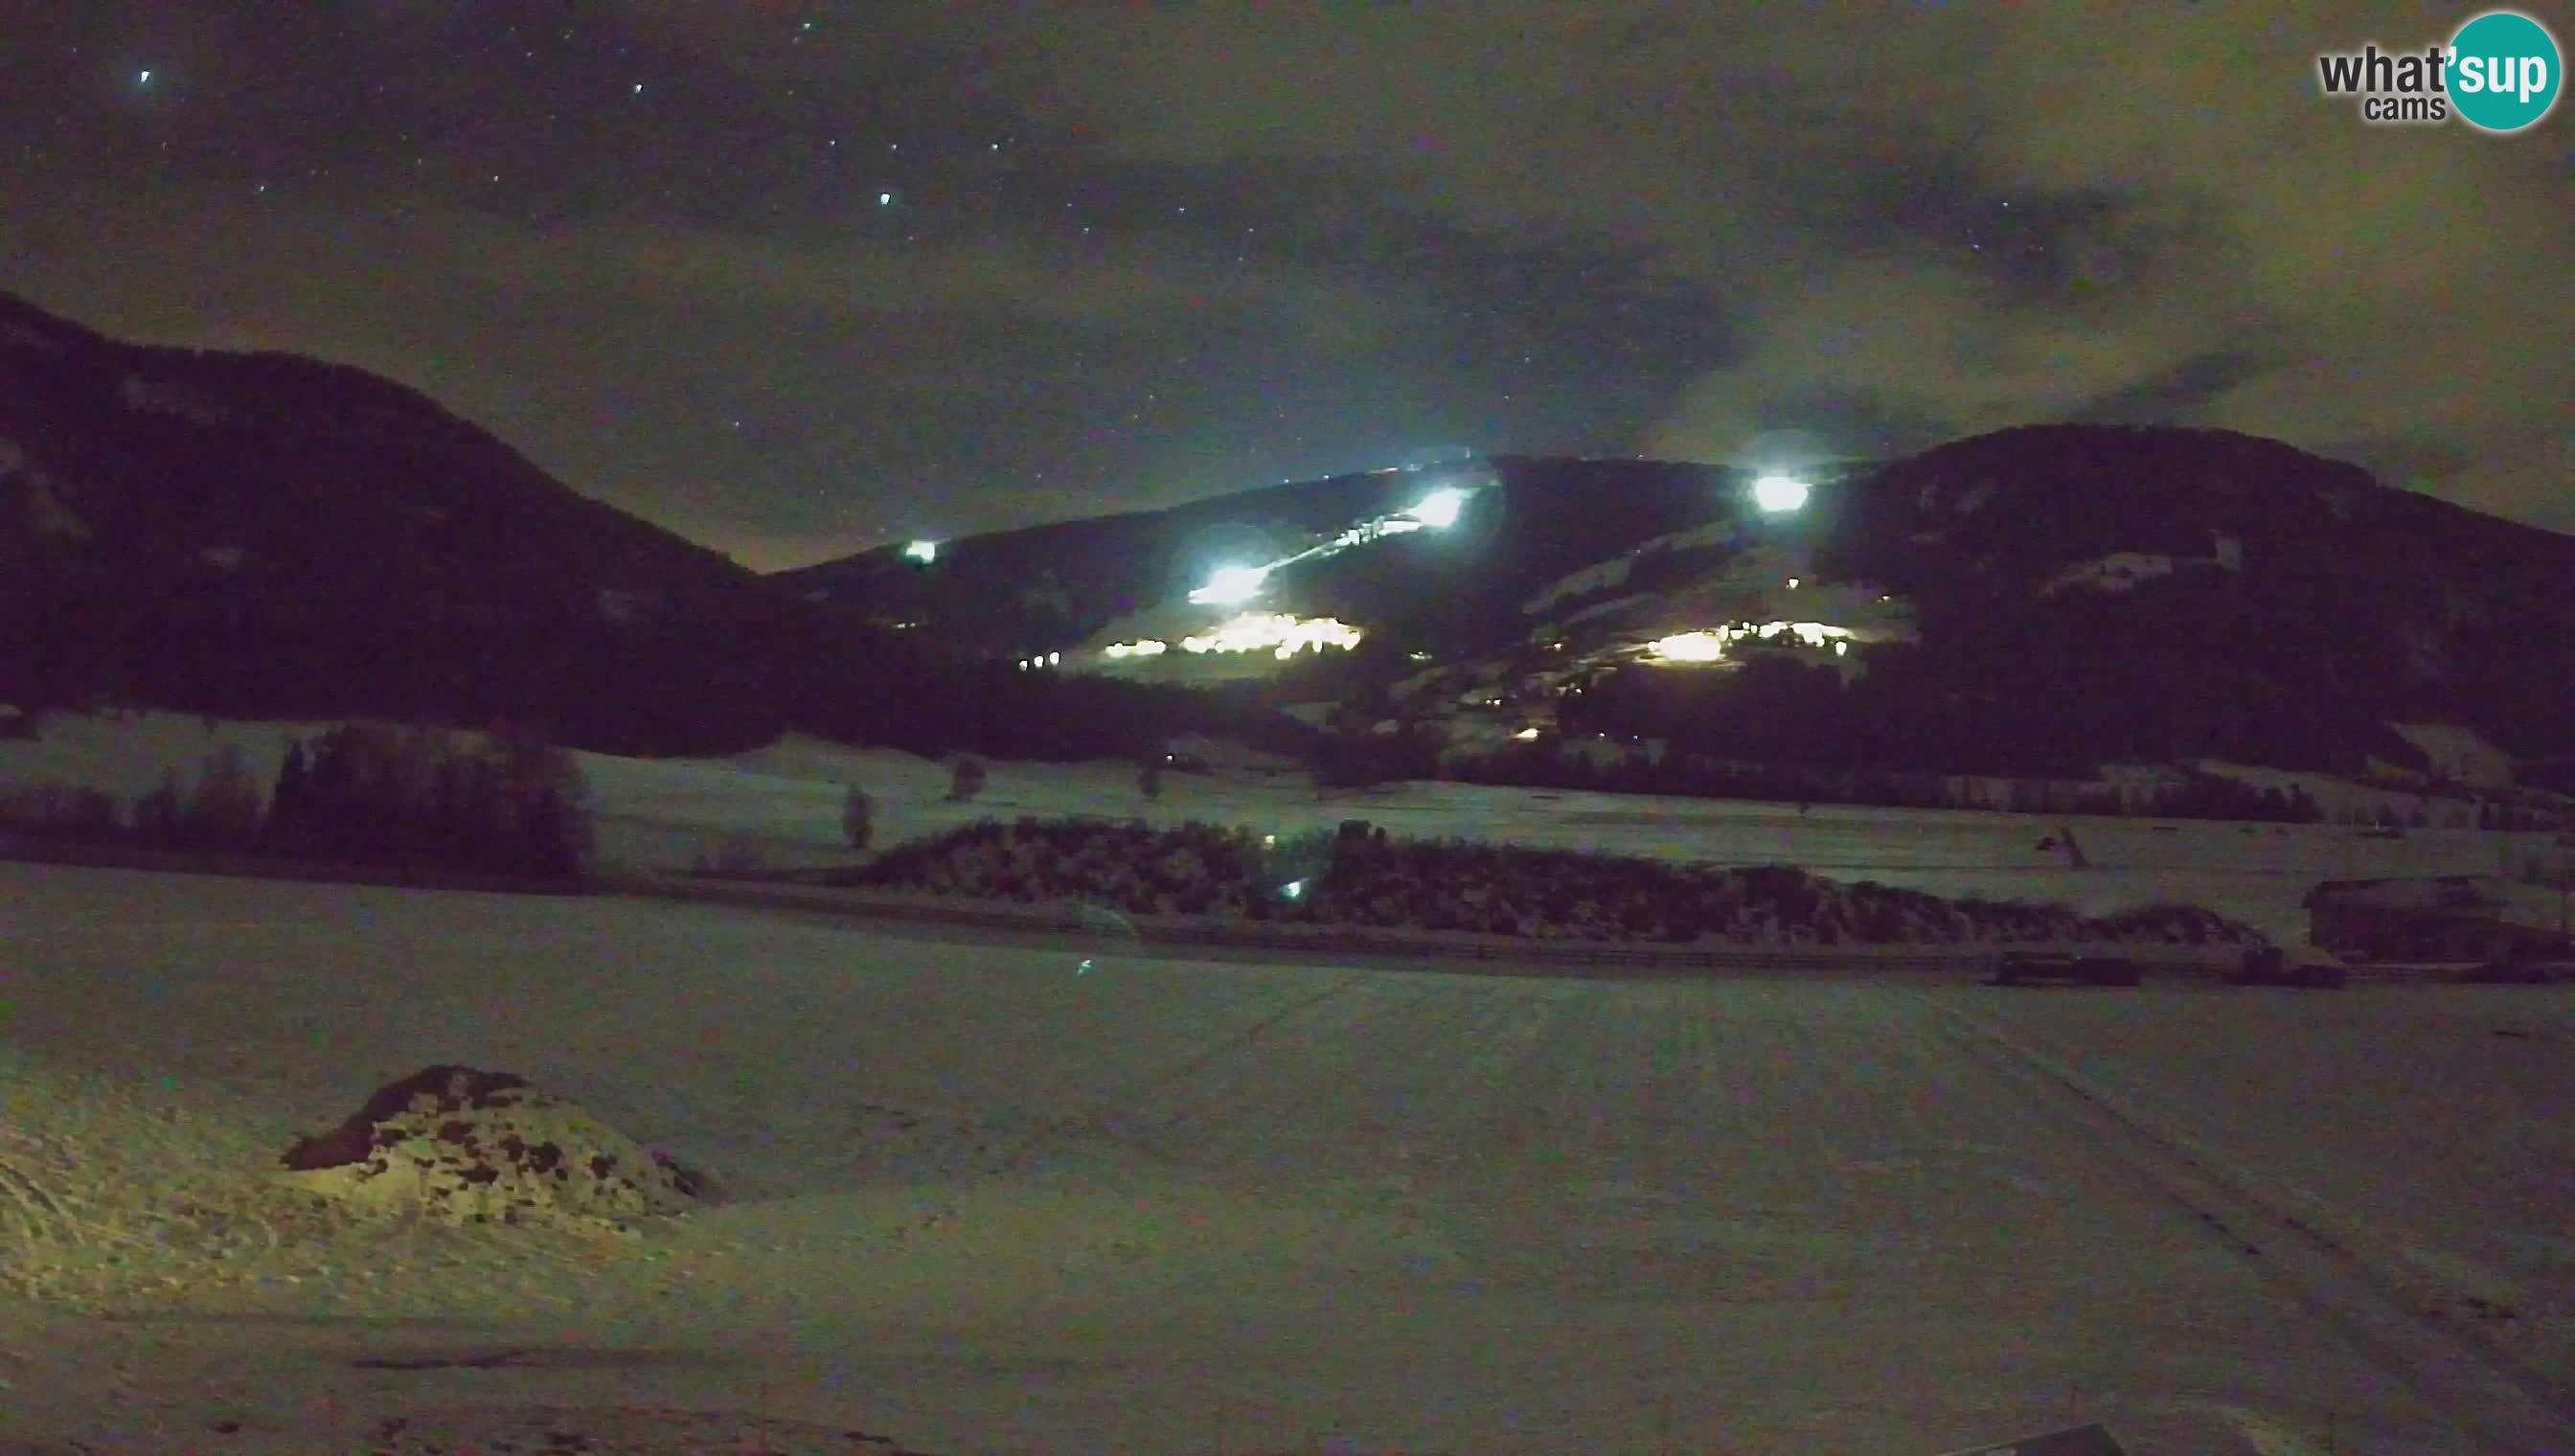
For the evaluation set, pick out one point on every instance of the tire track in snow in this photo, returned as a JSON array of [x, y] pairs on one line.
[[1217, 1112], [1345, 1094], [2501, 1401], [1542, 1048], [1018, 1153]]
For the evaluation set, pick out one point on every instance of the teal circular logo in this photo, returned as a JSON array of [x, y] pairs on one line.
[[2504, 71]]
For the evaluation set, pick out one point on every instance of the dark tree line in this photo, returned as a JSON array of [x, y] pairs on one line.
[[1556, 765], [414, 798], [512, 807]]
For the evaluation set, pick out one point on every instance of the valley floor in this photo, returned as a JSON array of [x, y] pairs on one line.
[[987, 1200], [785, 801]]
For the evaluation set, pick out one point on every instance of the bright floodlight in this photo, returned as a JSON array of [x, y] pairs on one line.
[[1779, 493], [1440, 508], [924, 552], [1230, 585]]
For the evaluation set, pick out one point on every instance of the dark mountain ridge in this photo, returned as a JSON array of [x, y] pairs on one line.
[[2154, 589], [270, 536], [2076, 594], [267, 534], [1049, 587]]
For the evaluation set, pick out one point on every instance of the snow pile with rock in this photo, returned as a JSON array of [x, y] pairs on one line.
[[465, 1146]]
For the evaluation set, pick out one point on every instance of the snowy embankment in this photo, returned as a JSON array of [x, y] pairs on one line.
[[1226, 879], [663, 814], [660, 813]]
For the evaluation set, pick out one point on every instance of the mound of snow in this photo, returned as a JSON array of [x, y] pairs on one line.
[[468, 1146]]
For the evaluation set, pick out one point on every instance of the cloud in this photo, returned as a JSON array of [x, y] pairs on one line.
[[1663, 226], [2229, 249], [2420, 274]]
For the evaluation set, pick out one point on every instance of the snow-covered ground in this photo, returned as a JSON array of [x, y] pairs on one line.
[[660, 812], [991, 1202]]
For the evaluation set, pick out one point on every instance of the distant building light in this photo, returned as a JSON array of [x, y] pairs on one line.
[[1688, 647], [924, 552], [1277, 634], [1710, 647], [1793, 584]]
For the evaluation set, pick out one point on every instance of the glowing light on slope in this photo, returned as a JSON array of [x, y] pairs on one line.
[[1228, 584], [1233, 585], [1440, 509], [1779, 494], [924, 552]]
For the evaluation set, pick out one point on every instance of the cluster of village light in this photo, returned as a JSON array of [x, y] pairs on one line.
[[1276, 632], [1709, 646]]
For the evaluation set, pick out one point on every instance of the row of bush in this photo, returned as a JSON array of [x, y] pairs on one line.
[[1366, 879], [505, 805]]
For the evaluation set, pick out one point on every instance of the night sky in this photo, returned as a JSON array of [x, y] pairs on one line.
[[793, 278]]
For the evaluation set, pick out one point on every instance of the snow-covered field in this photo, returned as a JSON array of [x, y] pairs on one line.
[[991, 1203], [667, 813]]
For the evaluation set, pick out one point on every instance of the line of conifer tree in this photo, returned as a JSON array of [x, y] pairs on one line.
[[417, 797]]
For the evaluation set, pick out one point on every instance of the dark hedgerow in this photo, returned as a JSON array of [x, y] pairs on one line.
[[1364, 881], [506, 804]]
